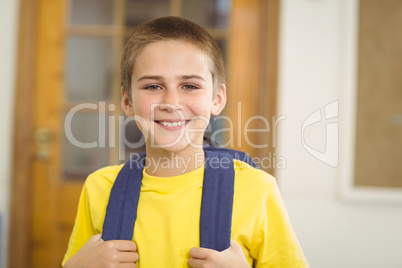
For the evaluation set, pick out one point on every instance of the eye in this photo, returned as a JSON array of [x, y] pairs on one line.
[[190, 87], [153, 87]]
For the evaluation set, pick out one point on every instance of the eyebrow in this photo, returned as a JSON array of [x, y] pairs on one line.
[[192, 76], [158, 77], [150, 77]]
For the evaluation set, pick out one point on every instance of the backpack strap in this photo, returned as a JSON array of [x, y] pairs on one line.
[[121, 211], [217, 201], [216, 204]]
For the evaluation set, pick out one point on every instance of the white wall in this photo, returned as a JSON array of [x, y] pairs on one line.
[[8, 44], [317, 67]]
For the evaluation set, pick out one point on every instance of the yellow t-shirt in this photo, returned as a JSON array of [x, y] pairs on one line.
[[168, 216]]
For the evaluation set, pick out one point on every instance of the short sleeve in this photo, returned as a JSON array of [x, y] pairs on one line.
[[83, 227], [277, 245], [91, 208]]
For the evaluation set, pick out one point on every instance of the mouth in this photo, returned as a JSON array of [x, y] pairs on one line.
[[172, 124]]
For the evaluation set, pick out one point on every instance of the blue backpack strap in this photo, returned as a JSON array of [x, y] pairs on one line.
[[217, 200], [216, 204], [121, 211]]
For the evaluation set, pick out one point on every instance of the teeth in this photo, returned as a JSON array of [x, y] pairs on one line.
[[172, 124]]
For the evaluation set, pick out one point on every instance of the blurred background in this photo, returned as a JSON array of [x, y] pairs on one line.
[[316, 83]]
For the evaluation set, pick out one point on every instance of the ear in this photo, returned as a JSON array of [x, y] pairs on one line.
[[126, 103], [219, 100]]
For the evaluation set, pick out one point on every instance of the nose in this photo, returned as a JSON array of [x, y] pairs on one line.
[[171, 101]]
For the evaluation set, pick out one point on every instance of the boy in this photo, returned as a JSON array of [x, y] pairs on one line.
[[172, 81]]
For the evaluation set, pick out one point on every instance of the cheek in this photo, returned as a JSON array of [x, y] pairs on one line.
[[201, 109], [201, 106], [142, 114], [141, 106]]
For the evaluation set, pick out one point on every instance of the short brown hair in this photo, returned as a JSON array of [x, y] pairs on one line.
[[170, 28]]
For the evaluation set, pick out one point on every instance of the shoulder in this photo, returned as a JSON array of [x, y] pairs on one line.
[[253, 190], [252, 178], [95, 194], [102, 179], [253, 186]]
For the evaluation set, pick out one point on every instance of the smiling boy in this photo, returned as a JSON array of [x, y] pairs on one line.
[[172, 94], [172, 82]]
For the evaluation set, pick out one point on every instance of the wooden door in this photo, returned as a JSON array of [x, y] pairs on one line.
[[51, 198], [60, 46], [69, 52]]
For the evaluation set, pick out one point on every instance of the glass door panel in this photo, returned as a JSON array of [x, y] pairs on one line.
[[89, 68], [211, 14], [139, 11], [87, 148], [91, 35], [91, 12]]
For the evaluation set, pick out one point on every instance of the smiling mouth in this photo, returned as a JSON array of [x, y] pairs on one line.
[[173, 124]]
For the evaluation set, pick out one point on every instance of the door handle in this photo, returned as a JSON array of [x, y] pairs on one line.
[[42, 139]]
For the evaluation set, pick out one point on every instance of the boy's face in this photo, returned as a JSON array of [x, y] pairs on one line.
[[172, 95]]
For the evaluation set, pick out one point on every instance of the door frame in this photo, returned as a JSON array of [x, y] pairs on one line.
[[23, 146], [253, 77]]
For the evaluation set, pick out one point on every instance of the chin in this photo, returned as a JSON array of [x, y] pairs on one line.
[[176, 146]]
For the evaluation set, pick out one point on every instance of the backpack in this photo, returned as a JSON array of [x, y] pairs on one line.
[[216, 203]]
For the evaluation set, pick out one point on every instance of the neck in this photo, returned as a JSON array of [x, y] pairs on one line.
[[164, 163]]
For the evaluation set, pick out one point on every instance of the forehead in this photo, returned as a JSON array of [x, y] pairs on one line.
[[176, 54]]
